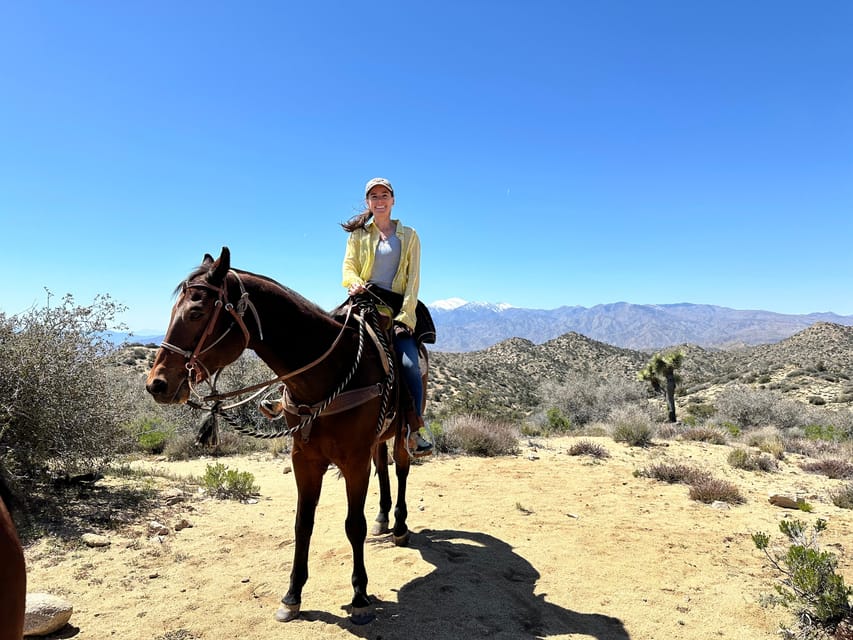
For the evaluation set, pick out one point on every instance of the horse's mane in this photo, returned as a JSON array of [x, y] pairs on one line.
[[301, 300]]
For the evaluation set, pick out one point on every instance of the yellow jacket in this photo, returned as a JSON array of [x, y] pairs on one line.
[[359, 259]]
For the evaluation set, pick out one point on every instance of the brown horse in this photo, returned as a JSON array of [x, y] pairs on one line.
[[312, 352], [13, 577]]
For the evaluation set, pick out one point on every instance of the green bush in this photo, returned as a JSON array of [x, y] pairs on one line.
[[222, 482], [823, 432], [732, 428], [700, 411], [557, 421], [809, 584], [151, 433], [61, 403]]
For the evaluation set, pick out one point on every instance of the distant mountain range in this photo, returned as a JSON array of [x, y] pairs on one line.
[[470, 326], [464, 326]]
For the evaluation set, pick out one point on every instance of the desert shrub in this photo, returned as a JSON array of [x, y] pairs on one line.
[[700, 411], [826, 432], [589, 448], [704, 434], [751, 460], [809, 584], [817, 400], [768, 441], [732, 428], [556, 421], [583, 399], [674, 473], [834, 468], [60, 407], [477, 436], [756, 408], [813, 448], [669, 431], [632, 426], [715, 490], [151, 433], [221, 482], [842, 496], [182, 446]]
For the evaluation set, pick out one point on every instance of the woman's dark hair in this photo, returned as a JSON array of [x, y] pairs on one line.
[[357, 221]]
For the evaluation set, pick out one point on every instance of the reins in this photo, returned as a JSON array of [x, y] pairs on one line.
[[212, 402]]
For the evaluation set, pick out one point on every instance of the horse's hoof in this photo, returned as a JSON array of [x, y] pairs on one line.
[[379, 528], [403, 540], [287, 612], [362, 615]]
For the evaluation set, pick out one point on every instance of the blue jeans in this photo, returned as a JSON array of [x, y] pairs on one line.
[[408, 352]]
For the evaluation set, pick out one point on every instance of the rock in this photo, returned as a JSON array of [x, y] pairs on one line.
[[158, 529], [173, 496], [46, 614], [786, 502], [183, 523], [719, 504], [95, 540]]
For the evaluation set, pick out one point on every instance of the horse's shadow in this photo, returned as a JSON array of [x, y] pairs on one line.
[[479, 588]]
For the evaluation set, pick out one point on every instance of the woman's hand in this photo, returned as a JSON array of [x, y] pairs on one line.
[[401, 330], [355, 289]]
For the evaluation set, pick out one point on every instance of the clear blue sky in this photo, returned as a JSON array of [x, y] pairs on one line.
[[549, 153]]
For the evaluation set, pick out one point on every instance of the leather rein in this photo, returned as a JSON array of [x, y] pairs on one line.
[[196, 368]]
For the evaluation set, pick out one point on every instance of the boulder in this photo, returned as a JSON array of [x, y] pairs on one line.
[[46, 614], [786, 502], [95, 540]]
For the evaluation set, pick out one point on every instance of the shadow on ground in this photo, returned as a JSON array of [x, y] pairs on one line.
[[479, 588]]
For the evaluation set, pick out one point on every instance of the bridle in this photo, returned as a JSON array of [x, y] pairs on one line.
[[196, 369]]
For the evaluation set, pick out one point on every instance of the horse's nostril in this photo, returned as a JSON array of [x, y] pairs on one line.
[[157, 386]]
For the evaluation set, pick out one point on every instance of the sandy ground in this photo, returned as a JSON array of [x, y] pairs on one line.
[[538, 545]]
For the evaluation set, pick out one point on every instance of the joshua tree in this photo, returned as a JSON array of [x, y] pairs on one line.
[[660, 373]]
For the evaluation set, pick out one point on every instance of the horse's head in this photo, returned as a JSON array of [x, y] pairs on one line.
[[205, 333]]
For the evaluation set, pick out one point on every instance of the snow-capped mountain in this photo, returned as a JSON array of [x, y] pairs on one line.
[[470, 326], [455, 304]]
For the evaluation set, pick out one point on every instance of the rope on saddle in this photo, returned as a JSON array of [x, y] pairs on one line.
[[366, 313]]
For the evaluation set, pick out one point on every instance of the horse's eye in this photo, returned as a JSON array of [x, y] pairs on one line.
[[195, 314]]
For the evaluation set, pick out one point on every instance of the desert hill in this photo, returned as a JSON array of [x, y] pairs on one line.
[[814, 365]]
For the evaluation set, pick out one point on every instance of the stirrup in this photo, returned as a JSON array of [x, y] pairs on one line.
[[417, 446]]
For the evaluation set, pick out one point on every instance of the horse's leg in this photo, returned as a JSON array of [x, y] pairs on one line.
[[309, 482], [380, 459], [357, 476], [402, 462], [13, 578]]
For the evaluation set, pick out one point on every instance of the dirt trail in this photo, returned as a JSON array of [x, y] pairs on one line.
[[539, 545]]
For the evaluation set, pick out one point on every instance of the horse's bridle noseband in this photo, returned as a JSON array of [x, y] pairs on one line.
[[194, 364]]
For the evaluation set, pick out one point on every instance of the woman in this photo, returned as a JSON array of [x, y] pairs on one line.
[[383, 253]]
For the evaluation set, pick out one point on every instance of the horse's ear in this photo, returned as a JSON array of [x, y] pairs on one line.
[[207, 261], [219, 268]]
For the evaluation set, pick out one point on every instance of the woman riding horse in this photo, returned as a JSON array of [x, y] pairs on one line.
[[218, 314]]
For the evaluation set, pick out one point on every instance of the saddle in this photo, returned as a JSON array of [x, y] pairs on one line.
[[400, 400]]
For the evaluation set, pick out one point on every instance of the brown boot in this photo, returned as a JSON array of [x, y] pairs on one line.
[[271, 409], [418, 446]]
